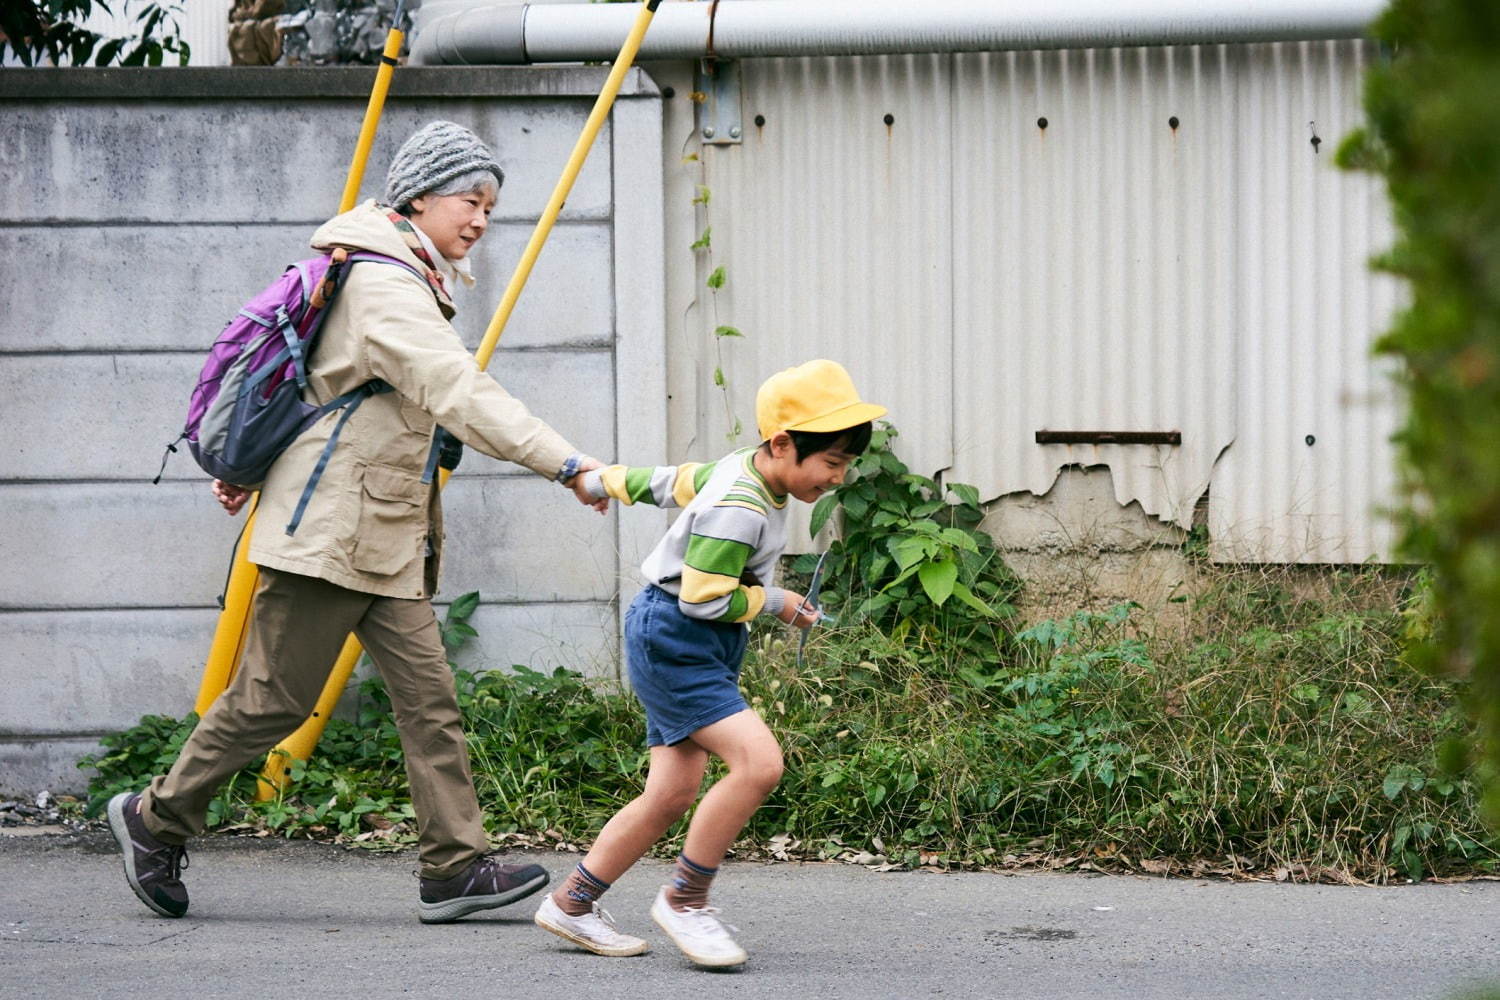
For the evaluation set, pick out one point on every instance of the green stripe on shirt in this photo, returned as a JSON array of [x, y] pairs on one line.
[[638, 485], [721, 556], [754, 499]]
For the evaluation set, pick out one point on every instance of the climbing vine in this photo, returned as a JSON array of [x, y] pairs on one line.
[[717, 275]]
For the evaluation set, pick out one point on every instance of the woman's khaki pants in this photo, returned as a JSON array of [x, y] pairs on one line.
[[298, 625]]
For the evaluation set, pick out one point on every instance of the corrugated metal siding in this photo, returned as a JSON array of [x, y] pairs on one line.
[[1107, 272], [1310, 311], [834, 230], [1093, 258]]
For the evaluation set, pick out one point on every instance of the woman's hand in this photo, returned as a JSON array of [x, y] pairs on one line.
[[230, 496], [576, 484]]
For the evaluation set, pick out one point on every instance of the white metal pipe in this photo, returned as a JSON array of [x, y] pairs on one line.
[[475, 31]]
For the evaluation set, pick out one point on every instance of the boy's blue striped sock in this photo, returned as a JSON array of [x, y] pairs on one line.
[[579, 892], [689, 885]]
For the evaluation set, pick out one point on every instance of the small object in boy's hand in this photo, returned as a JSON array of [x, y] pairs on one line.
[[810, 603]]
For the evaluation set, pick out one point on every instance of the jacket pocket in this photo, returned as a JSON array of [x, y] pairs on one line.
[[390, 532]]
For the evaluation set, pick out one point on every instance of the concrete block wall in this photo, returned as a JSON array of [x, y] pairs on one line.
[[138, 210]]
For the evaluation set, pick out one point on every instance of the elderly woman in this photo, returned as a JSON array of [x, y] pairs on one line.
[[364, 556]]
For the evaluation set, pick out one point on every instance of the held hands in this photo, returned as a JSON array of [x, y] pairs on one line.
[[796, 613], [576, 484], [230, 497]]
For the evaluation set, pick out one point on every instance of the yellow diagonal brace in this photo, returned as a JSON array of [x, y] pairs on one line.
[[299, 746], [224, 652], [393, 41]]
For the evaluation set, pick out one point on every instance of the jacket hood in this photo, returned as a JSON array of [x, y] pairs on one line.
[[369, 227]]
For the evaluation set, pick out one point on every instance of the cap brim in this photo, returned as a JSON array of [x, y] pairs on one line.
[[841, 419]]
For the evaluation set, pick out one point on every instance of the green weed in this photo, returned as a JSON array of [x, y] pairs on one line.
[[1280, 733]]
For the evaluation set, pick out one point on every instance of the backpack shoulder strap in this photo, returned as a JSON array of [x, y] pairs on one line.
[[383, 259]]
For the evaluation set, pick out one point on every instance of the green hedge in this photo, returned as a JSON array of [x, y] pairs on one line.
[[1434, 134]]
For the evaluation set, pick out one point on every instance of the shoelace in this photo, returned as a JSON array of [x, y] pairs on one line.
[[706, 921], [176, 858], [605, 918], [486, 871], [490, 871]]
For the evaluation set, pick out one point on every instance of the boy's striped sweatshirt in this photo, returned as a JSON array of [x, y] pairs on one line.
[[719, 553]]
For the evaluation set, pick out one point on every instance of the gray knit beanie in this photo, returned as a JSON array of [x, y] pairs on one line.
[[435, 154]]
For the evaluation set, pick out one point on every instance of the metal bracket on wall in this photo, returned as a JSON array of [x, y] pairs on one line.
[[720, 122], [1109, 437]]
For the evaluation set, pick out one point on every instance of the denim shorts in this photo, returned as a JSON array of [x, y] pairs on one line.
[[686, 672]]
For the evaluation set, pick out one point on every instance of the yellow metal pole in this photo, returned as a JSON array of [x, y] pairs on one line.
[[565, 182], [388, 56], [229, 633], [300, 745], [223, 654]]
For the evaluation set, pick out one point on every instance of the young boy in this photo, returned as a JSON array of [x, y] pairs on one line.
[[685, 637]]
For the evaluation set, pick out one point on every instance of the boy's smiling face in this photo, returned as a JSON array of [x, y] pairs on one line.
[[806, 480]]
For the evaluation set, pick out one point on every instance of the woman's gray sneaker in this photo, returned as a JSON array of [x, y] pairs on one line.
[[483, 885], [152, 867]]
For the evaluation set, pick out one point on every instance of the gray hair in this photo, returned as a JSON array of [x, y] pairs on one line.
[[479, 179], [474, 180]]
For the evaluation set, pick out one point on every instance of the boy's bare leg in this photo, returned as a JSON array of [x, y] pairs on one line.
[[747, 746], [671, 786], [681, 908], [572, 911]]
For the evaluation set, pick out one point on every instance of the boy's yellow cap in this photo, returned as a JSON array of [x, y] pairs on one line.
[[817, 396]]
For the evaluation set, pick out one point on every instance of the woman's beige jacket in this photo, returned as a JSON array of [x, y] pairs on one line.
[[371, 525]]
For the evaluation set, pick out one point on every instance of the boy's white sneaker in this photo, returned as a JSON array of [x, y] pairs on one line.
[[594, 930], [701, 935]]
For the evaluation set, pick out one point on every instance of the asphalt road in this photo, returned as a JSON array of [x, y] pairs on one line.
[[272, 920]]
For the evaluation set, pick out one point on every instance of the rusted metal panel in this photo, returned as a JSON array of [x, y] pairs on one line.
[[1146, 241], [1093, 248]]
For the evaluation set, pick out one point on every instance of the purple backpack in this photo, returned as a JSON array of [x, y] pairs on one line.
[[247, 406]]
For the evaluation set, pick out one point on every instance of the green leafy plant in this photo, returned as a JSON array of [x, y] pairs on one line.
[[911, 556], [703, 246], [551, 751], [52, 30], [1276, 732], [132, 758], [455, 628]]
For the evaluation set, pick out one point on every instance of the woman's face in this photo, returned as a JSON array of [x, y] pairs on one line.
[[453, 222]]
